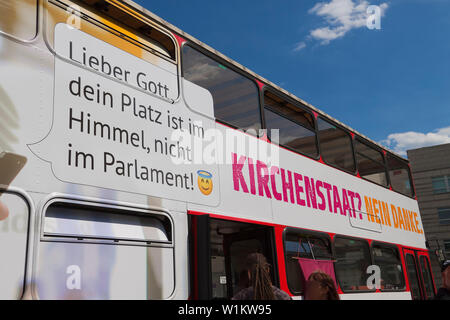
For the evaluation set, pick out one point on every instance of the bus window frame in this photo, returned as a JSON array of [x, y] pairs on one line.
[[36, 34], [399, 253], [339, 236], [376, 148], [411, 182], [228, 65], [312, 233], [297, 105], [348, 133]]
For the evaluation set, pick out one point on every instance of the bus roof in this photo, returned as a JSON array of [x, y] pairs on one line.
[[187, 36]]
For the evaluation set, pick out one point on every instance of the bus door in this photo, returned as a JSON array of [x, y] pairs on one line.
[[237, 247], [419, 274], [425, 272], [413, 274], [219, 250]]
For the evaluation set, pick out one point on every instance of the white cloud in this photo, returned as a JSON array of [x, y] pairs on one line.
[[340, 17], [400, 142], [299, 46]]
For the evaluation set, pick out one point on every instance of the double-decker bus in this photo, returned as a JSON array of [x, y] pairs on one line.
[[139, 163]]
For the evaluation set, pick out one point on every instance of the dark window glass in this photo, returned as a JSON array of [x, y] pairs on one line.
[[444, 215], [370, 163], [235, 97], [303, 246], [426, 275], [399, 175], [296, 126], [447, 248], [352, 261], [335, 146], [441, 184], [230, 244], [413, 277], [388, 259]]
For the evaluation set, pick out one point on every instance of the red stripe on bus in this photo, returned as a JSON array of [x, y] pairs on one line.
[[260, 84], [280, 259], [180, 40]]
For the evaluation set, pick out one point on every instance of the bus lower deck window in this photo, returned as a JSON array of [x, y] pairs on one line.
[[89, 222], [352, 261], [388, 259], [303, 251]]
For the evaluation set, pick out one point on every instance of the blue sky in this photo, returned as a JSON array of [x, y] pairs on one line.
[[391, 84]]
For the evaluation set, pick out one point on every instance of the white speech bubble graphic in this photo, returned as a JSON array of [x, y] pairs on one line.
[[108, 133]]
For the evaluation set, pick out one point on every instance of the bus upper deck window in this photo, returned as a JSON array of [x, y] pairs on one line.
[[296, 126], [370, 163], [235, 97], [335, 145], [19, 18], [399, 175], [114, 25]]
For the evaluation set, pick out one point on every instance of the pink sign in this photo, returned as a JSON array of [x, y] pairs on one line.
[[308, 266]]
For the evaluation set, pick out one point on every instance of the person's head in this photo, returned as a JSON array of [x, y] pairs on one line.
[[4, 212], [320, 286], [445, 268], [259, 275]]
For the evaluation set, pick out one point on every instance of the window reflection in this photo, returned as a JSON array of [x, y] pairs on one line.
[[335, 145], [370, 163], [388, 259], [235, 97], [296, 126], [352, 261], [399, 175]]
